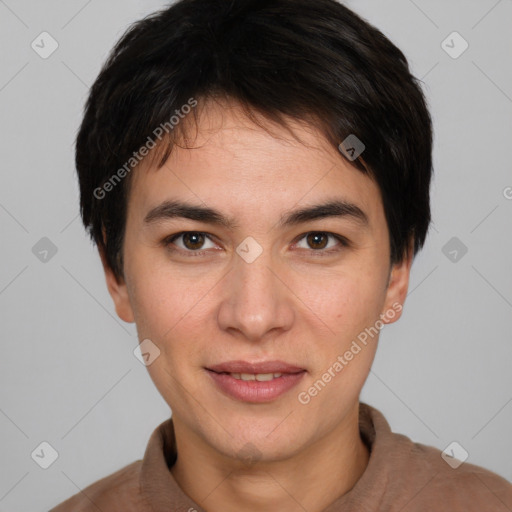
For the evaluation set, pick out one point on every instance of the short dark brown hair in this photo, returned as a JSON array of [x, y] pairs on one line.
[[315, 61]]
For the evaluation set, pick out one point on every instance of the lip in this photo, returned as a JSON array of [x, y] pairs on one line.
[[262, 367], [254, 391]]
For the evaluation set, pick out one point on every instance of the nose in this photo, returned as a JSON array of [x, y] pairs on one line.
[[257, 304]]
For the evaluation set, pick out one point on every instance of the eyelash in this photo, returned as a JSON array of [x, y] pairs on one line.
[[168, 241]]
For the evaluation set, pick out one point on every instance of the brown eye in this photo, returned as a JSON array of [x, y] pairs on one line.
[[322, 243], [317, 240], [193, 241], [189, 242]]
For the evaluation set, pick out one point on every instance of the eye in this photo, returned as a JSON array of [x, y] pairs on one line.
[[191, 241], [195, 243], [318, 242]]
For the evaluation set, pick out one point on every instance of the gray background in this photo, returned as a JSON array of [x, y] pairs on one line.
[[68, 375]]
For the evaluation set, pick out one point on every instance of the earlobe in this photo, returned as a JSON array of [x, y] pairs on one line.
[[397, 288], [118, 291]]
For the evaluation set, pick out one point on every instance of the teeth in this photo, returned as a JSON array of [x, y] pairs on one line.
[[261, 377]]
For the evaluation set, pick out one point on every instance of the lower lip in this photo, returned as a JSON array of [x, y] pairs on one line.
[[253, 390]]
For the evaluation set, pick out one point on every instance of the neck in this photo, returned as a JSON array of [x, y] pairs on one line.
[[309, 480]]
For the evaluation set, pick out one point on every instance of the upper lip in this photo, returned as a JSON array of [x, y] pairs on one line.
[[262, 367]]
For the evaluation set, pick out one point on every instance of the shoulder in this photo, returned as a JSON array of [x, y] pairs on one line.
[[118, 492], [414, 477], [447, 482]]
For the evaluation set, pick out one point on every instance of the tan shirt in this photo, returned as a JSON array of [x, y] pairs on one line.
[[401, 476]]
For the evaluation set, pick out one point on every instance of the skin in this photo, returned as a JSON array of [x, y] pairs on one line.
[[289, 304]]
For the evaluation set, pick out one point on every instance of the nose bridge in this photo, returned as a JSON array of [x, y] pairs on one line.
[[252, 271], [256, 300]]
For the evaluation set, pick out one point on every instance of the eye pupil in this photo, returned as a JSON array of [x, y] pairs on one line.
[[193, 240], [315, 238]]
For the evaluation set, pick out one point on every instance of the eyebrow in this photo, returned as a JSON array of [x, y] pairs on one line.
[[180, 209]]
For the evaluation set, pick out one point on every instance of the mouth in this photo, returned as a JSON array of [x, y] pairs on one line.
[[255, 382], [260, 377], [261, 368]]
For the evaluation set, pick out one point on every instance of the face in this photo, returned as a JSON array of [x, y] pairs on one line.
[[263, 286]]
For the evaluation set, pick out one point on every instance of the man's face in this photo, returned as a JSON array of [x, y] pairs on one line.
[[261, 290]]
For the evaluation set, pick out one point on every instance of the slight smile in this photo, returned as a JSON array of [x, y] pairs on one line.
[[255, 382]]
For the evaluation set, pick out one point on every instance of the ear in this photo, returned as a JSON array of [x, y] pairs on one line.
[[118, 291], [397, 287]]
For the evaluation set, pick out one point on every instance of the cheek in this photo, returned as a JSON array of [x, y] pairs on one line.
[[160, 304], [171, 317], [344, 301], [170, 309], [156, 293]]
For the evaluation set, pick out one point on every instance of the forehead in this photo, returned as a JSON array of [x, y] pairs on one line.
[[233, 164]]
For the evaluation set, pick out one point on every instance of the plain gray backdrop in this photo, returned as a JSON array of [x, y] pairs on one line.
[[68, 373]]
